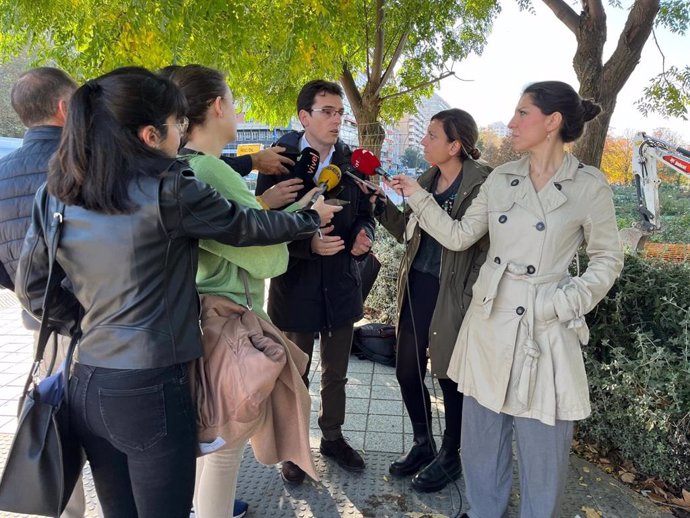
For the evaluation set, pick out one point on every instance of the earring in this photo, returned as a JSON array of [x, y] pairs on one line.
[[548, 136]]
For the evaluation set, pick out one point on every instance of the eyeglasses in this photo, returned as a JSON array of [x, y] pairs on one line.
[[329, 112], [181, 125]]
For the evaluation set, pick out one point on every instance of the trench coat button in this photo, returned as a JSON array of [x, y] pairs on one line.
[[503, 218], [515, 182], [519, 310], [541, 226], [531, 269], [558, 186], [497, 260]]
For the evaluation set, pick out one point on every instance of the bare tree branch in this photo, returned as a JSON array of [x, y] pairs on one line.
[[595, 8], [417, 87], [394, 60], [377, 65], [366, 36], [638, 27], [565, 14], [351, 90]]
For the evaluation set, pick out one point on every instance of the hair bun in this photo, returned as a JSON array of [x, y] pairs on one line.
[[475, 153], [591, 109]]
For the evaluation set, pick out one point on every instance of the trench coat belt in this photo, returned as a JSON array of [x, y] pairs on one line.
[[528, 372]]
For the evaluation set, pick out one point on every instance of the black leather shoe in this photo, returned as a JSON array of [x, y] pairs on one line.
[[292, 473], [444, 469], [346, 457], [421, 453]]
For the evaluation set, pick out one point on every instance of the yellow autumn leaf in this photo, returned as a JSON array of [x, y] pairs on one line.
[[591, 513]]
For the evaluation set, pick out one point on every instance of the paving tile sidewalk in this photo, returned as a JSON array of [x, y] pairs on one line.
[[376, 423]]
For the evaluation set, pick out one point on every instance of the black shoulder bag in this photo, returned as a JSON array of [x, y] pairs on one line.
[[44, 461]]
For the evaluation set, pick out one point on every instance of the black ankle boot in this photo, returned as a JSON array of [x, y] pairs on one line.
[[442, 470], [421, 453]]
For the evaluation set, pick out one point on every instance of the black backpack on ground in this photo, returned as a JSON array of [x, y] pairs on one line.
[[375, 342]]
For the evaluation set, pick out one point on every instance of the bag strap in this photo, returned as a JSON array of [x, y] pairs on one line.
[[245, 281], [53, 234]]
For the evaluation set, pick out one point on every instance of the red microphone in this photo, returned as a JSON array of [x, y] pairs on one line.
[[368, 163]]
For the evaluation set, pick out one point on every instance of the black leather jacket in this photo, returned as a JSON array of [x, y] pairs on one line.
[[133, 274]]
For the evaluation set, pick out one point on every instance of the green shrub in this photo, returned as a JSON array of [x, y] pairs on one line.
[[381, 302], [638, 364], [638, 361]]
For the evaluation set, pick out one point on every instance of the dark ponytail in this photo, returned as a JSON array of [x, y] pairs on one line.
[[100, 146], [556, 96], [460, 125]]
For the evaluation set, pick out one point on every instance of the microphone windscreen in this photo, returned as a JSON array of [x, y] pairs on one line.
[[330, 176], [306, 164], [365, 161]]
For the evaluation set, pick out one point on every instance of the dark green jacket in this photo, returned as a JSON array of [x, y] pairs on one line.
[[459, 270]]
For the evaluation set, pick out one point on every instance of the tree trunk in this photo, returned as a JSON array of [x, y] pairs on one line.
[[603, 82], [590, 147], [366, 107], [371, 132]]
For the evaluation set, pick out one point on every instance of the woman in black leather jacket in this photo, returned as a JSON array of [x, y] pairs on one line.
[[132, 218]]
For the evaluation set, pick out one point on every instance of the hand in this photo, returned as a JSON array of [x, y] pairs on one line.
[[377, 195], [304, 200], [378, 200], [404, 185], [362, 244], [326, 245], [282, 193], [326, 212], [269, 161]]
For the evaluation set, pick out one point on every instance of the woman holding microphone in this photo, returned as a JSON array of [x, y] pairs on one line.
[[518, 358]]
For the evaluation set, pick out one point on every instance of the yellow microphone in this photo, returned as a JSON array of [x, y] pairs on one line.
[[330, 177]]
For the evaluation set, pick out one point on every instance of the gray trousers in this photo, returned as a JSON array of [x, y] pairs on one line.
[[335, 356], [487, 462]]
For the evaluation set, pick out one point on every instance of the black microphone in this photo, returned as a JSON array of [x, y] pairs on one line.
[[306, 164]]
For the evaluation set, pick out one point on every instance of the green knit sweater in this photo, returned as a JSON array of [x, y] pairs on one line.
[[218, 271]]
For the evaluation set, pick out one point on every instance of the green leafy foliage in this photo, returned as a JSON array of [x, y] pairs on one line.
[[381, 302], [268, 48], [668, 94], [638, 364], [414, 158]]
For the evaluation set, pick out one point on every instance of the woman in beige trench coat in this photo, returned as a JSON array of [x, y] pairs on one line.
[[517, 358]]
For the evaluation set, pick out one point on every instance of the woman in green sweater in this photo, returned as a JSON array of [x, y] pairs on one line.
[[212, 124]]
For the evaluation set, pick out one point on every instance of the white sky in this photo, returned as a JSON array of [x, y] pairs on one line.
[[524, 48]]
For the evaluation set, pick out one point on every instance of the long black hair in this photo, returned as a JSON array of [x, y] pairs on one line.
[[556, 96], [100, 146]]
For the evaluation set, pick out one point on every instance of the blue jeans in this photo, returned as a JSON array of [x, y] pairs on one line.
[[139, 433]]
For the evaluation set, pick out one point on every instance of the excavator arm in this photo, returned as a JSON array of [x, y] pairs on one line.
[[647, 151]]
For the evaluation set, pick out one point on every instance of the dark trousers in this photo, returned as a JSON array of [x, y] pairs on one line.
[[411, 360], [335, 355], [139, 433]]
